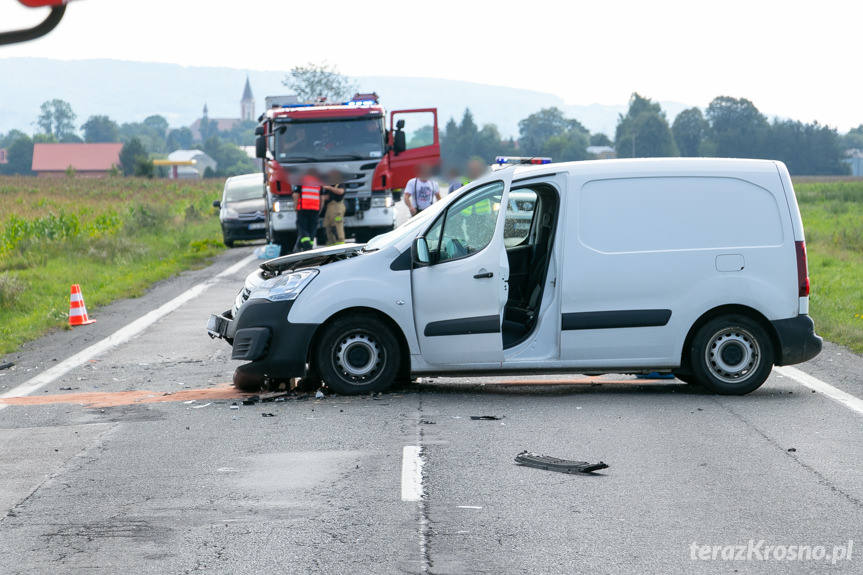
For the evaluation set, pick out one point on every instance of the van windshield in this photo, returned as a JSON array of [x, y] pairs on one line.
[[244, 191], [409, 228]]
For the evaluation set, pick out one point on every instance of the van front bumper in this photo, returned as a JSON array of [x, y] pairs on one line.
[[261, 334], [797, 340]]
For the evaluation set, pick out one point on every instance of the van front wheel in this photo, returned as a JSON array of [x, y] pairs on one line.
[[731, 355], [356, 354]]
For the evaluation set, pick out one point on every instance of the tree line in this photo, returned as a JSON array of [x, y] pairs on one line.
[[729, 127], [142, 141]]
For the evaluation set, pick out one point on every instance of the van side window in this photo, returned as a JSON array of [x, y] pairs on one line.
[[467, 226], [519, 214]]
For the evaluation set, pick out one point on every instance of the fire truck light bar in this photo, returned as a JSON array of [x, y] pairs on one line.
[[521, 160]]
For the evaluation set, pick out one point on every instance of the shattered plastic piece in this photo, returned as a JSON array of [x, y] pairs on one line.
[[235, 406], [200, 406], [485, 417], [268, 415], [319, 394], [6, 365], [792, 449], [529, 459]]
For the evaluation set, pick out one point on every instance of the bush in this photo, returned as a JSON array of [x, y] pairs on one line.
[[10, 290]]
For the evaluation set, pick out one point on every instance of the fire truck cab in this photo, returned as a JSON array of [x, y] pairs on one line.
[[348, 140]]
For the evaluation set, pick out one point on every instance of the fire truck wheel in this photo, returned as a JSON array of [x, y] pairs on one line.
[[356, 354]]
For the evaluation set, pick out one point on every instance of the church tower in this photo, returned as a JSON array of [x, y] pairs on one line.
[[247, 104]]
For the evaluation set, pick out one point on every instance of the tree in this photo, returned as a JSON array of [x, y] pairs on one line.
[[322, 80], [807, 149], [158, 125], [600, 139], [853, 139], [132, 150], [144, 167], [689, 129], [20, 158], [100, 129], [538, 128], [230, 160], [179, 139], [465, 141], [737, 128], [151, 133], [56, 117], [643, 132]]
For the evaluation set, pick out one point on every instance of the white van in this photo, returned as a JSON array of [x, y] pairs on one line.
[[693, 266]]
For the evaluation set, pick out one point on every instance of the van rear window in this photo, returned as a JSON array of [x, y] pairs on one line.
[[678, 213]]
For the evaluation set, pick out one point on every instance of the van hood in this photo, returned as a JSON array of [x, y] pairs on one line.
[[311, 258]]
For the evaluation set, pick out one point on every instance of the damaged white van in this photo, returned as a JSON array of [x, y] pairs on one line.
[[692, 266]]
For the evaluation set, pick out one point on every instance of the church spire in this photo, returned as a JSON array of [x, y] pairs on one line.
[[247, 104]]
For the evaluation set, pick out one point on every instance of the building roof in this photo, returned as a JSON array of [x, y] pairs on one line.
[[186, 155], [82, 157], [247, 91]]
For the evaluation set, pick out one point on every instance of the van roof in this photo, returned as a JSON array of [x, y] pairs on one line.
[[640, 166]]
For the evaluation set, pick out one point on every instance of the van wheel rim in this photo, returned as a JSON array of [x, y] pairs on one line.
[[732, 355], [358, 357]]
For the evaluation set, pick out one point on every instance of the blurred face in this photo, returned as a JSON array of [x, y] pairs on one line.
[[424, 171], [334, 177], [475, 169]]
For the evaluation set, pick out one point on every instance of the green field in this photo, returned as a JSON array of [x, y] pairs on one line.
[[833, 218], [114, 236]]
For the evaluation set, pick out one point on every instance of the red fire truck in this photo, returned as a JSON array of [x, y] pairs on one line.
[[374, 162]]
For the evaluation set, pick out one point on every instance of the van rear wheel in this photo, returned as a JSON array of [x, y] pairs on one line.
[[731, 355], [357, 354]]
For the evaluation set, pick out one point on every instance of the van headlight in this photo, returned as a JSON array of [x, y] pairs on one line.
[[285, 287], [385, 202], [283, 206]]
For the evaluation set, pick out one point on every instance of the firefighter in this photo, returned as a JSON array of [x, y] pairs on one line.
[[308, 205], [334, 215]]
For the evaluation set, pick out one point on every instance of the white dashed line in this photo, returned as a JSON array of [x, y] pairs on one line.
[[412, 473], [120, 336], [851, 402]]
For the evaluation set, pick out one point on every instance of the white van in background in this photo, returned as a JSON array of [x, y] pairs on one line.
[[694, 266]]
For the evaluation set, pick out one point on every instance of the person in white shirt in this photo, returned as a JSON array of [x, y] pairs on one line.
[[421, 191]]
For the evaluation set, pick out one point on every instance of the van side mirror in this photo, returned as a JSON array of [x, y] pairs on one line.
[[420, 252], [217, 204], [260, 147]]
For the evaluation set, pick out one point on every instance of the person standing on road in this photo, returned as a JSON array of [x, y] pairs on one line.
[[334, 215], [421, 191], [455, 180], [308, 206]]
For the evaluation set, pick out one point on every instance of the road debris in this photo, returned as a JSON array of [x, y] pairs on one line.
[[6, 365], [235, 406], [485, 418], [200, 406], [529, 459], [319, 395], [268, 415], [792, 449]]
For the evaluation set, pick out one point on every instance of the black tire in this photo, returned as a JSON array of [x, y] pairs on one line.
[[356, 354], [731, 355], [229, 243]]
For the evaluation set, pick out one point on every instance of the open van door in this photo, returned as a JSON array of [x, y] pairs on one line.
[[460, 276], [414, 141]]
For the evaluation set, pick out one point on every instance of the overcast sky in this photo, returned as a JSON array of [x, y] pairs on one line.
[[802, 60]]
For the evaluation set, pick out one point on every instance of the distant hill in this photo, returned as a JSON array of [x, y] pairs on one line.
[[130, 91]]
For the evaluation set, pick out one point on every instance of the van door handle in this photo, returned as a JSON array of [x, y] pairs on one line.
[[483, 275]]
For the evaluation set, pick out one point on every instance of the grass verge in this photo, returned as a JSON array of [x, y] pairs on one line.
[[114, 236], [833, 218]]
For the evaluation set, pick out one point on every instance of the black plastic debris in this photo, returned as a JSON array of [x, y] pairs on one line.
[[268, 415], [529, 459], [791, 450], [485, 418], [6, 365]]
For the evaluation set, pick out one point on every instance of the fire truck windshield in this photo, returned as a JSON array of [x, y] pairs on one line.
[[341, 139]]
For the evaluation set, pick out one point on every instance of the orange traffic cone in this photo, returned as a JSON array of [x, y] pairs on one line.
[[77, 309]]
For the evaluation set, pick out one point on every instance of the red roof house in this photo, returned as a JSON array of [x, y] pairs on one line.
[[93, 160]]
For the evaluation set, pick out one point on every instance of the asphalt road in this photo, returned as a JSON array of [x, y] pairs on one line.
[[135, 462]]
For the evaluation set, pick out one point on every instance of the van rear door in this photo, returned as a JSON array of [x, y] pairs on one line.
[[458, 300]]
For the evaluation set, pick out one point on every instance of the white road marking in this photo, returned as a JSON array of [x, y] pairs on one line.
[[468, 507], [120, 336], [412, 473], [851, 402]]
